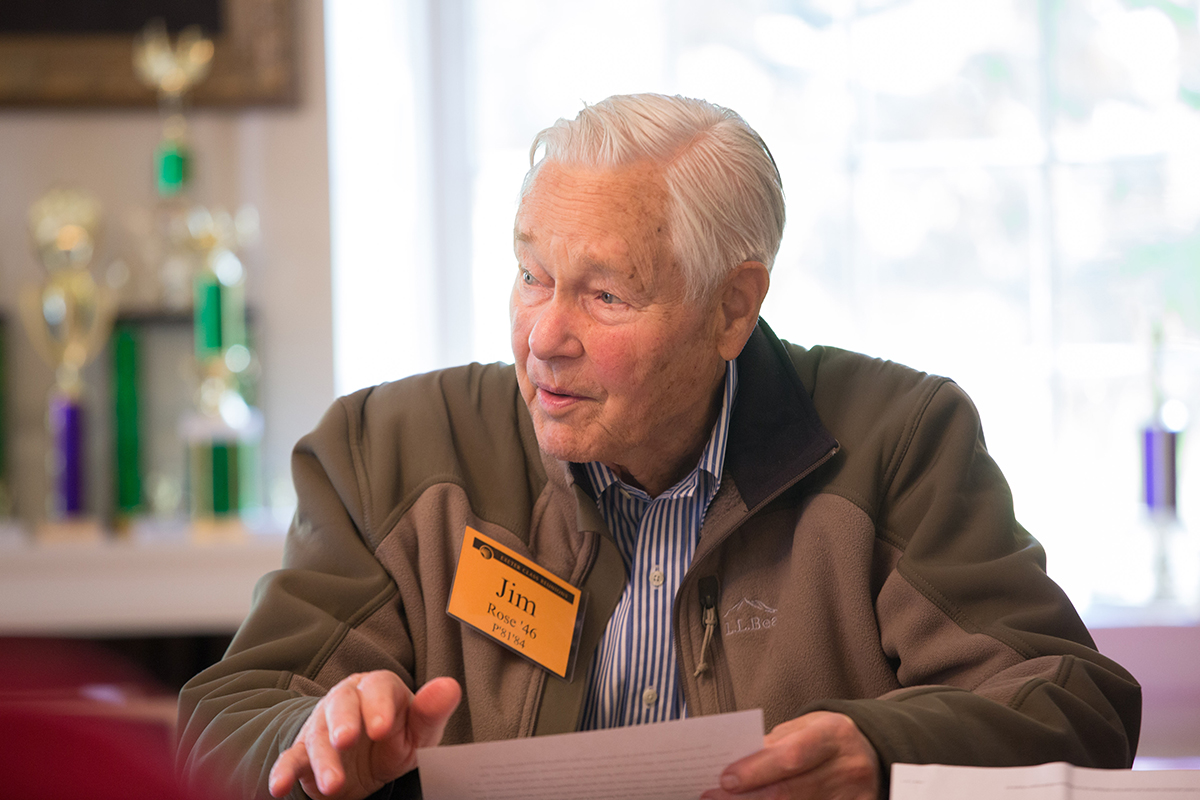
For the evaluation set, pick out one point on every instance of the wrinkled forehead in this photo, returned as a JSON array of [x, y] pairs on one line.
[[629, 201]]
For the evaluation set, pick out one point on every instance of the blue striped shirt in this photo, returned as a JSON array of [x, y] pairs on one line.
[[633, 676]]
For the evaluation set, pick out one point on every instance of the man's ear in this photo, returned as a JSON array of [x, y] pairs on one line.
[[740, 298]]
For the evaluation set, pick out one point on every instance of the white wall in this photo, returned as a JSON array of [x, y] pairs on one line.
[[273, 158]]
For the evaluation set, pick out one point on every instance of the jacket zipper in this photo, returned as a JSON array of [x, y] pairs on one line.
[[708, 599], [708, 602]]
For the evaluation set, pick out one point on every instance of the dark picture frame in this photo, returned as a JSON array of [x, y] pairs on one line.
[[254, 63]]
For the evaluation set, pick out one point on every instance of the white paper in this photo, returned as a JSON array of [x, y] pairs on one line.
[[1057, 781], [668, 761]]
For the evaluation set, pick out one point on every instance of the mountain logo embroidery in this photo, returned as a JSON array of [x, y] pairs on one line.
[[747, 616]]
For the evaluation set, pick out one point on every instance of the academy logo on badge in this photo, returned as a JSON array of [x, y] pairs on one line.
[[747, 616]]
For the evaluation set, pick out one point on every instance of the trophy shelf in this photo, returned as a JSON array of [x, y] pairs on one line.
[[129, 587]]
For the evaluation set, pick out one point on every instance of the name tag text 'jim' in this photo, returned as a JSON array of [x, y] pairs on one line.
[[515, 602]]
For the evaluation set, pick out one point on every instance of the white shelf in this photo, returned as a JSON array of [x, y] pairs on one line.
[[114, 587]]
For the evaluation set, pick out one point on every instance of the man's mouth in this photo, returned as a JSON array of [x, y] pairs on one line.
[[556, 398]]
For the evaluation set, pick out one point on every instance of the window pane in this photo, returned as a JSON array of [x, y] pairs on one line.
[[1003, 191]]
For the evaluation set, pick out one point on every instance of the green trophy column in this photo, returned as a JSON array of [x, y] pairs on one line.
[[209, 315], [127, 439], [219, 324], [225, 478]]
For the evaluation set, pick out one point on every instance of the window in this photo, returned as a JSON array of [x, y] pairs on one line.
[[1003, 191]]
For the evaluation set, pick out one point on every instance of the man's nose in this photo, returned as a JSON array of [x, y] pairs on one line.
[[556, 330]]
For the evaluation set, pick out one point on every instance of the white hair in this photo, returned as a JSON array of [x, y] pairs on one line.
[[725, 196]]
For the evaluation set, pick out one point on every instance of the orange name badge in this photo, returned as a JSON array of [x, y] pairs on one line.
[[514, 601]]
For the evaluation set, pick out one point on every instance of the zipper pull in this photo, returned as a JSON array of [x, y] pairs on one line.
[[709, 589]]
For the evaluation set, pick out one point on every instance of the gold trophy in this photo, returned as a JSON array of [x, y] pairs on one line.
[[68, 319], [171, 71], [223, 432]]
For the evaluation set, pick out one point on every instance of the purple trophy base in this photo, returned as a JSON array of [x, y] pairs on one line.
[[1158, 460], [66, 425]]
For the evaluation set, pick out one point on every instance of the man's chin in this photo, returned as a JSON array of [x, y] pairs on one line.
[[558, 440]]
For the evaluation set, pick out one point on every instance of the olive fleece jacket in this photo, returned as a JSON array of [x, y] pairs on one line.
[[863, 543]]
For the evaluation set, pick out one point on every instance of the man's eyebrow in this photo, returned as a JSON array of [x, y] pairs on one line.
[[604, 268]]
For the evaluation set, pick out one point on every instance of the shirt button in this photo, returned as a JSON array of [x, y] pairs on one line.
[[650, 697], [656, 577]]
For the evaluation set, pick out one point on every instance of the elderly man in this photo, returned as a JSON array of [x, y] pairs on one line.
[[810, 532]]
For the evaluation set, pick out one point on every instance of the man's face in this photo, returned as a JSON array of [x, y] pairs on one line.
[[613, 362]]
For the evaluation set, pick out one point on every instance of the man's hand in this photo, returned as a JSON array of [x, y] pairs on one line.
[[819, 755], [332, 758]]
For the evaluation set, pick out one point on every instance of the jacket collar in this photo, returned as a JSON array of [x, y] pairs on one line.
[[775, 435]]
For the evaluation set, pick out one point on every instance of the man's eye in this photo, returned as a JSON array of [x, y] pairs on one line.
[[609, 298], [527, 277]]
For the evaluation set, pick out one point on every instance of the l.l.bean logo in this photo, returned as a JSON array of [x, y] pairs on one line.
[[748, 616]]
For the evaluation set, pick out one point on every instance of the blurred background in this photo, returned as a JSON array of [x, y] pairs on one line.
[[1003, 191], [1006, 192]]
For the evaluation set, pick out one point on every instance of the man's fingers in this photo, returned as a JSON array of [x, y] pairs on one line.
[[383, 699], [821, 749], [288, 768], [325, 760], [793, 747], [331, 755], [774, 763], [310, 760], [431, 709], [342, 713]]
